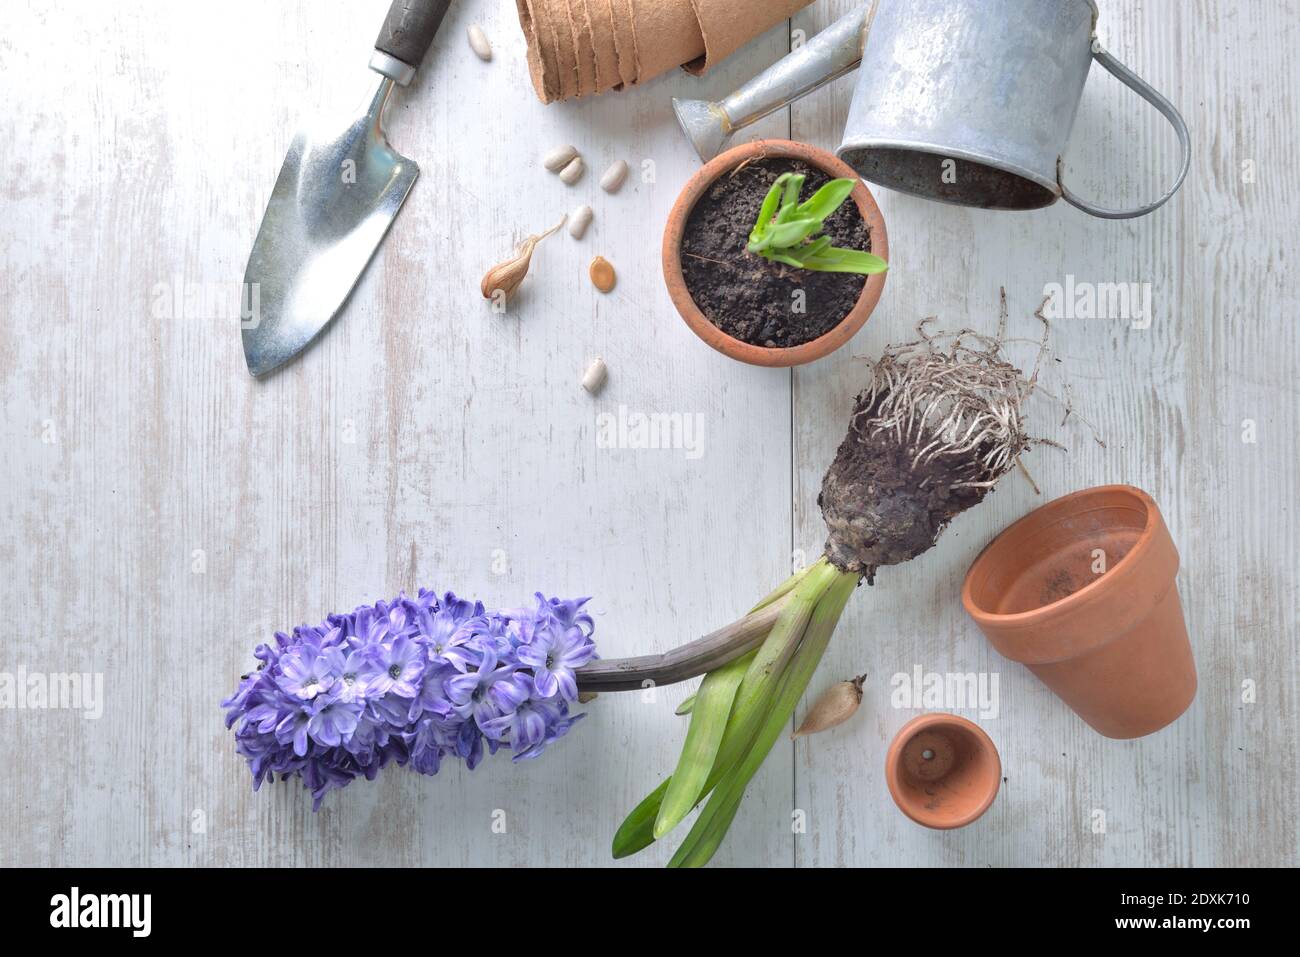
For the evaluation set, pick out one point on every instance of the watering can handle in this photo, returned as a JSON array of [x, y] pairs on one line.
[[1167, 109]]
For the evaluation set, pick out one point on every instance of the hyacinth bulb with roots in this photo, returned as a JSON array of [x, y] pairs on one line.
[[938, 425]]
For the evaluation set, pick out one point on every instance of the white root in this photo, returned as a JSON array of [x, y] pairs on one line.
[[962, 401]]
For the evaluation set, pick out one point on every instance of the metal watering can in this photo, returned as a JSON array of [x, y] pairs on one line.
[[964, 101]]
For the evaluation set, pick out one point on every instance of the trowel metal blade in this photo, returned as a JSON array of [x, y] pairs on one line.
[[339, 190]]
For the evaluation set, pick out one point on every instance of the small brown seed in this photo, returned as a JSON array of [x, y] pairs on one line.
[[836, 705], [603, 276]]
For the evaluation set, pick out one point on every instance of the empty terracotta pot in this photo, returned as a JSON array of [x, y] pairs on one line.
[[943, 771], [1082, 592], [696, 187]]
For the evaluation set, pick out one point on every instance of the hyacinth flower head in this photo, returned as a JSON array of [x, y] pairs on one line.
[[410, 682]]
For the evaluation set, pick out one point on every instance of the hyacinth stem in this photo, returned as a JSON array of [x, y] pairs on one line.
[[685, 661], [696, 657], [711, 827]]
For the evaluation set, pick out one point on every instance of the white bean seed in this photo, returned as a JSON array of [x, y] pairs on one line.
[[573, 171], [579, 220], [478, 42], [559, 158], [614, 177], [595, 376]]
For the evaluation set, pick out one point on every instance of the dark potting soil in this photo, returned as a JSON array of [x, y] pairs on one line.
[[743, 294]]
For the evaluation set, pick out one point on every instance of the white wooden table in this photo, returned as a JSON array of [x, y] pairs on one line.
[[163, 512]]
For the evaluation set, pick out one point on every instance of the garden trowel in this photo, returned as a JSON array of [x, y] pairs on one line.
[[339, 190]]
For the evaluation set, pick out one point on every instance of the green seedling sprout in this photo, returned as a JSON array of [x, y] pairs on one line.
[[788, 231]]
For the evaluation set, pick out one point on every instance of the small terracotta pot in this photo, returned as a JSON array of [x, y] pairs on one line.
[[943, 771], [1082, 591], [672, 255]]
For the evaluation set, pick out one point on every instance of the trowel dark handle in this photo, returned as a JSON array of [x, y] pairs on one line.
[[406, 35]]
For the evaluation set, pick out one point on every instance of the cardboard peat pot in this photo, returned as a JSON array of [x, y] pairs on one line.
[[728, 345], [1082, 592], [942, 770]]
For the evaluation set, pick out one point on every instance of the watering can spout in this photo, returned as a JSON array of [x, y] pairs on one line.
[[705, 124], [835, 51]]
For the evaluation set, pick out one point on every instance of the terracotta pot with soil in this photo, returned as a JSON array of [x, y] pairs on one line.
[[942, 770], [1082, 592], [744, 305]]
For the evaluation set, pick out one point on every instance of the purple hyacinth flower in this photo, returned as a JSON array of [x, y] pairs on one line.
[[488, 692], [554, 653], [432, 698], [250, 691], [527, 726], [469, 744], [397, 616], [369, 626], [568, 613], [305, 674], [408, 682], [354, 670], [332, 720], [315, 636], [292, 729], [503, 632], [400, 666], [431, 738], [556, 731], [369, 738], [449, 632], [264, 718]]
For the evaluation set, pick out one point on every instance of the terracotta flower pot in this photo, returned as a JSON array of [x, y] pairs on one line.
[[943, 771], [1082, 591], [672, 256]]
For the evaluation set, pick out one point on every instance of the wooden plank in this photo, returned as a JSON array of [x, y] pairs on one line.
[[423, 441], [1219, 786]]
